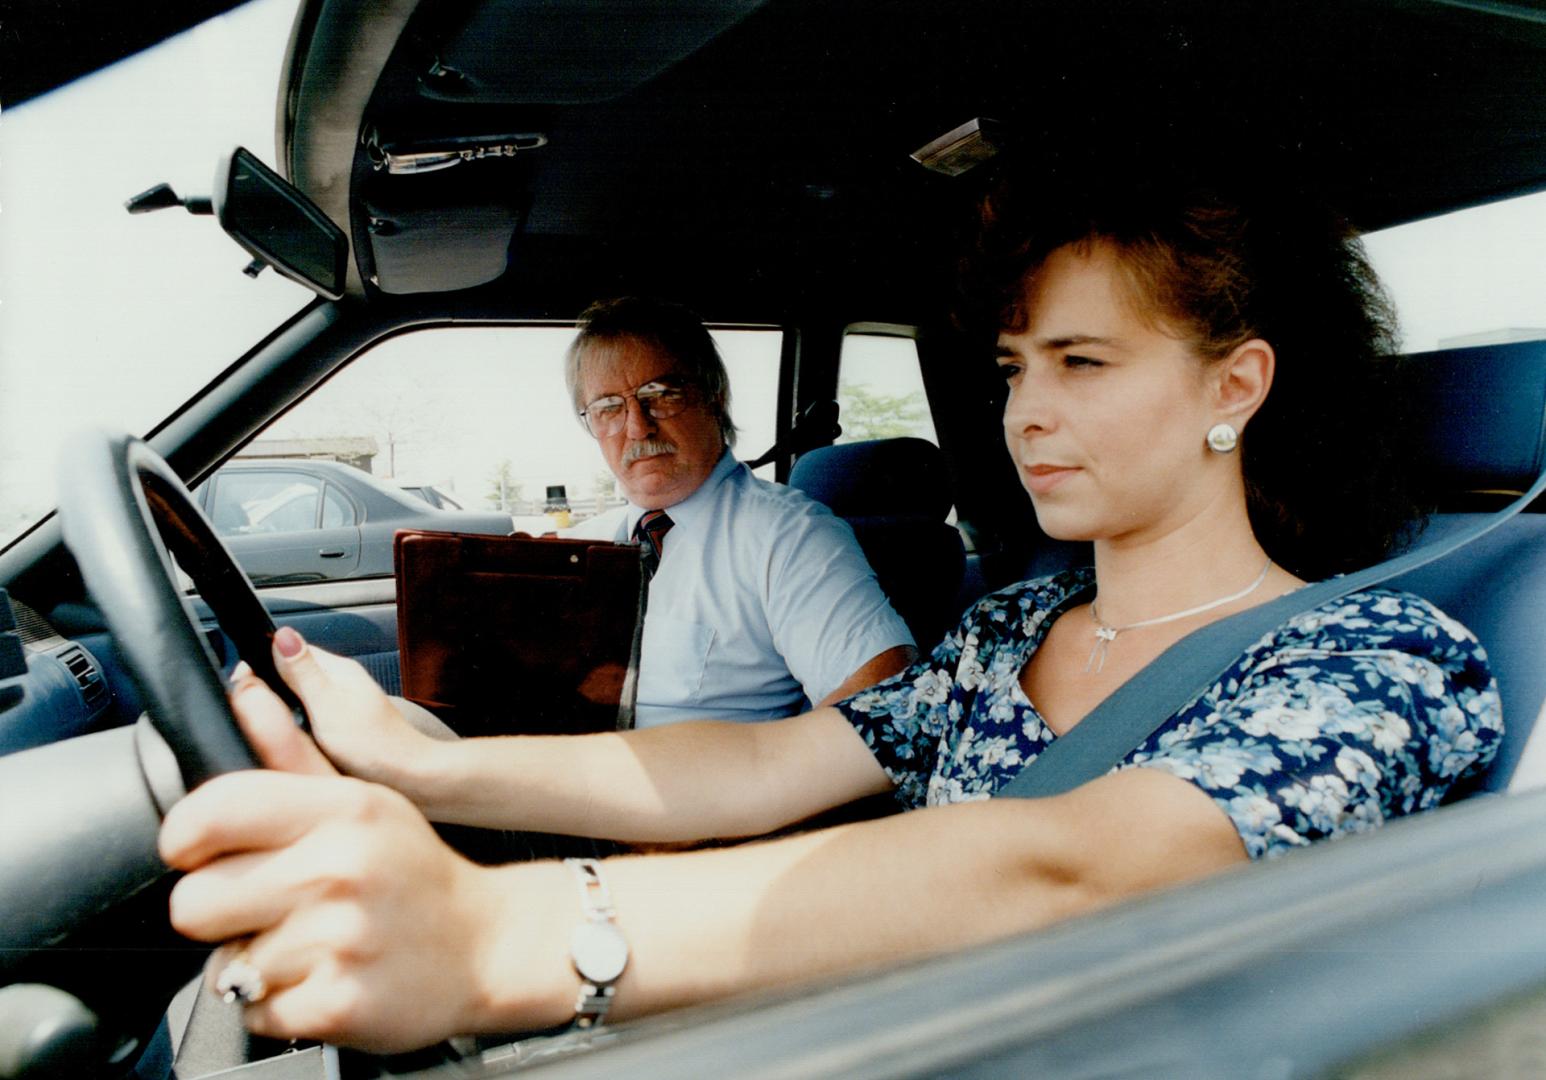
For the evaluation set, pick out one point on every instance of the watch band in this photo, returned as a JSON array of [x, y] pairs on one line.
[[597, 948]]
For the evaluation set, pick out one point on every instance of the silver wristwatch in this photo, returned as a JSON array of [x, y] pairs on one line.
[[597, 948]]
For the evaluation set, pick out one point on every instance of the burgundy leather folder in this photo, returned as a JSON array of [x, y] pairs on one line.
[[519, 635]]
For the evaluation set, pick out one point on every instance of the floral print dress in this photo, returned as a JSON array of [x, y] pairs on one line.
[[1366, 708]]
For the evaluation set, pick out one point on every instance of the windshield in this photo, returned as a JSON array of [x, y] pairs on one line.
[[113, 319]]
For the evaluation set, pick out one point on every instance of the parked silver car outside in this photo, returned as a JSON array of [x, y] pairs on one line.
[[290, 521]]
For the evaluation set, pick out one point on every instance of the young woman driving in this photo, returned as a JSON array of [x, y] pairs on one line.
[[1188, 382]]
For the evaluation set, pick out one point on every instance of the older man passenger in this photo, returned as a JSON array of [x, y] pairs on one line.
[[761, 600]]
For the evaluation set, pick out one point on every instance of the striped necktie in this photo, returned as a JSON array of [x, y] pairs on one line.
[[651, 534]]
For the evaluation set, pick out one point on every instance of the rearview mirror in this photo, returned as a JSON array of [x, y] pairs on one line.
[[269, 217]]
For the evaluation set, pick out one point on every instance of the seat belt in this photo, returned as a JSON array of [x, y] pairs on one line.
[[816, 427], [1136, 709]]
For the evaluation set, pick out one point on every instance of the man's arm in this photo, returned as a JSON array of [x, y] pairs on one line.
[[876, 669], [344, 892], [687, 781], [827, 612]]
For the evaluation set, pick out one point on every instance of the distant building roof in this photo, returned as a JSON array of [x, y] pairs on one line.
[[356, 450], [1494, 337]]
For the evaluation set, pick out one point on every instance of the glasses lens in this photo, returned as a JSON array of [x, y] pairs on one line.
[[609, 415], [606, 416], [662, 402]]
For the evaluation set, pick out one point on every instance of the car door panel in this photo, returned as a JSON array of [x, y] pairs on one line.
[[306, 555]]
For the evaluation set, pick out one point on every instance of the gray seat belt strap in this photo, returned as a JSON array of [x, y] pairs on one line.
[[1136, 709]]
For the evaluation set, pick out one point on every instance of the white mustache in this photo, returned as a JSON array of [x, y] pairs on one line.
[[647, 448]]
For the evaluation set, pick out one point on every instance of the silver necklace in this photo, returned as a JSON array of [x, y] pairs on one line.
[[1105, 635]]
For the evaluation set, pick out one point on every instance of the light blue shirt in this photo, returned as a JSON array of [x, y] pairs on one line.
[[762, 604]]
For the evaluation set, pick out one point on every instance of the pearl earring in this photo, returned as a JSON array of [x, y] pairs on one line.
[[1222, 438]]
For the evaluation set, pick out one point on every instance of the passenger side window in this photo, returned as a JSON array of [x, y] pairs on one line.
[[880, 385], [480, 415]]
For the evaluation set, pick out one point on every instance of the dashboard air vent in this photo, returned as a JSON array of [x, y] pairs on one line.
[[87, 676]]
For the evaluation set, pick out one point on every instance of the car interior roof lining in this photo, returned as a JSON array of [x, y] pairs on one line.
[[753, 141]]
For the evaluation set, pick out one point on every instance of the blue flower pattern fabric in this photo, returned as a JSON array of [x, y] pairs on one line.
[[1366, 708]]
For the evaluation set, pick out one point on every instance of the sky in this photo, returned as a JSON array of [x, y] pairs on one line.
[[108, 318]]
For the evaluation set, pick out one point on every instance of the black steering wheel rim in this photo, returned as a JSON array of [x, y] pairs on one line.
[[124, 514]]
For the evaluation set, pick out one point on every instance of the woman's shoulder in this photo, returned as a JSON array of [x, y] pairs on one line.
[[1027, 599], [1011, 614], [1378, 616], [1387, 621]]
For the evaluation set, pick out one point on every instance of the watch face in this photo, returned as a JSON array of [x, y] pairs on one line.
[[599, 950]]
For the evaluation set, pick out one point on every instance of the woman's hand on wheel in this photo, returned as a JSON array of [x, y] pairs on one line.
[[364, 927], [353, 721]]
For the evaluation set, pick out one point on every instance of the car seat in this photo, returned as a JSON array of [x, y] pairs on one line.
[[1484, 413], [896, 494]]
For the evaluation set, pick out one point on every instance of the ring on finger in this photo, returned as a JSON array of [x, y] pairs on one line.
[[240, 982]]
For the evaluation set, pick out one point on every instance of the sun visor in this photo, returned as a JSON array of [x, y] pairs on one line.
[[570, 52], [442, 231]]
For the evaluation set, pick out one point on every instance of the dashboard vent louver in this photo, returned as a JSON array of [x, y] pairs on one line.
[[87, 676]]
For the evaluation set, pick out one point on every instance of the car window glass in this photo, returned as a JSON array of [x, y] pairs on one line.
[[224, 508], [482, 415], [880, 388], [246, 503], [117, 319], [337, 511], [751, 359], [1472, 277], [290, 510]]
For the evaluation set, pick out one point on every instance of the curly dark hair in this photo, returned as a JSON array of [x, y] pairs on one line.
[[1327, 459]]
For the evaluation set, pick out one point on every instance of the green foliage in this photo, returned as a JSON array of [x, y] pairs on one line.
[[504, 490], [865, 414]]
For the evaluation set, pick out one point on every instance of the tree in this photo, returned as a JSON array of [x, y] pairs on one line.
[[865, 414], [504, 489]]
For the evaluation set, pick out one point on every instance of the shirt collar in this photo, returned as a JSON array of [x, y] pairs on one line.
[[696, 504]]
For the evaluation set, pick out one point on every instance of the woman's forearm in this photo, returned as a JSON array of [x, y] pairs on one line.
[[368, 931], [705, 925], [678, 782]]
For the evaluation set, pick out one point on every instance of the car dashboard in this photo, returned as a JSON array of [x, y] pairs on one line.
[[51, 687]]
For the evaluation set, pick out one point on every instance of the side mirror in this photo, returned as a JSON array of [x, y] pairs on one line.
[[269, 217]]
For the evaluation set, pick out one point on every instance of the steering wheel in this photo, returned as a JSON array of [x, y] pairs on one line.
[[79, 818], [124, 513]]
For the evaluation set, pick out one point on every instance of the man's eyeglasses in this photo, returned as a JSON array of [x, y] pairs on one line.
[[608, 415]]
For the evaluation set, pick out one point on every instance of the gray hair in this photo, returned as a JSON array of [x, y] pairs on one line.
[[672, 329]]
